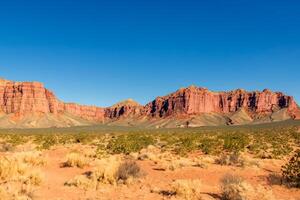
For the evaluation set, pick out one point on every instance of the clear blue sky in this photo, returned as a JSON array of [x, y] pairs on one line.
[[100, 52]]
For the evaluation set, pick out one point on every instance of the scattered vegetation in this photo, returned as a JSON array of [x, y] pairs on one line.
[[19, 175], [112, 154], [129, 143], [268, 141], [291, 171], [19, 167], [113, 170]]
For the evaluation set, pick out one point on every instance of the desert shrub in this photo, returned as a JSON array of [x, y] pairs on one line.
[[291, 171], [128, 169], [210, 145], [106, 170], [281, 149], [101, 151], [275, 179], [13, 192], [33, 158], [16, 139], [5, 147], [185, 145], [187, 189], [129, 143], [83, 138], [46, 141], [81, 181], [149, 153], [13, 169], [75, 160], [296, 135], [235, 141], [33, 177], [174, 163], [230, 159], [258, 146], [235, 188], [169, 140], [64, 139], [112, 170]]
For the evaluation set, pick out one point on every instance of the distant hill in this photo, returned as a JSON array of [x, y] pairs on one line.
[[31, 105]]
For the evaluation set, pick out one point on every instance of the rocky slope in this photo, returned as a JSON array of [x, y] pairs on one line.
[[30, 104]]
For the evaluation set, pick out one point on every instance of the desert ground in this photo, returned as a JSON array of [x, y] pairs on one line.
[[236, 163]]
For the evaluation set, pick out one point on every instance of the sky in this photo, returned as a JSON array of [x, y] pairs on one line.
[[98, 52]]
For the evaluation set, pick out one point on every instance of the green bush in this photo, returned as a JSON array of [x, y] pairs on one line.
[[16, 140], [129, 143], [46, 141], [83, 138], [186, 145], [235, 142], [210, 145], [291, 171]]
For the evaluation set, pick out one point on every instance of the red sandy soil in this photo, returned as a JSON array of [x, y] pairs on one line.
[[55, 176]]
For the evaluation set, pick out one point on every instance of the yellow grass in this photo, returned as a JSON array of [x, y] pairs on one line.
[[18, 174], [76, 160], [111, 170], [33, 158], [235, 188], [187, 189]]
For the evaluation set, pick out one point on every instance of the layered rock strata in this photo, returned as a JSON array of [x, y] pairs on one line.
[[22, 98]]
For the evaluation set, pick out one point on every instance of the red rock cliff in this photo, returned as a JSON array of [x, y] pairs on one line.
[[21, 98], [194, 100], [26, 97], [123, 109]]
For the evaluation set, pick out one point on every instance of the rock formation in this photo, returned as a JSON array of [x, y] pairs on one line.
[[123, 109], [20, 99], [194, 100]]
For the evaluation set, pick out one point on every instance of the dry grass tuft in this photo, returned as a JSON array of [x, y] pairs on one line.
[[128, 170], [235, 188], [6, 147], [81, 181], [14, 192], [33, 158], [233, 159], [75, 160], [13, 169], [167, 160], [149, 153], [112, 170], [33, 177], [187, 189], [18, 175], [106, 170]]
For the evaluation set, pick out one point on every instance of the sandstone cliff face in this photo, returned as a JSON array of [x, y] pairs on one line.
[[26, 97], [23, 98], [92, 113], [193, 101], [123, 109]]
